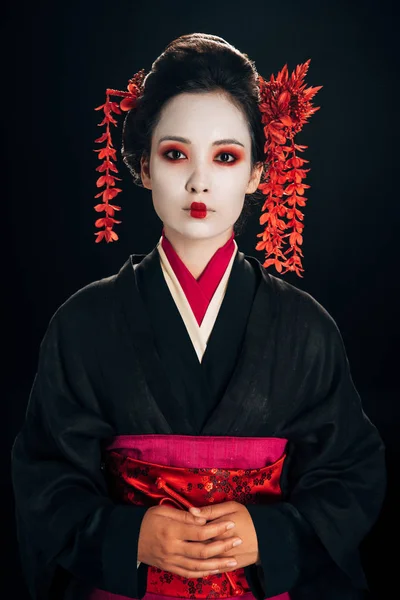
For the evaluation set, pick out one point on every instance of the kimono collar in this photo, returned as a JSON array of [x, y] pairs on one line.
[[199, 292]]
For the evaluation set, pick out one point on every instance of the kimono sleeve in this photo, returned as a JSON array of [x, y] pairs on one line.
[[67, 526], [335, 471]]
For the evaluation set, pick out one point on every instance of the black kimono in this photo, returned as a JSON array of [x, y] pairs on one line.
[[116, 359]]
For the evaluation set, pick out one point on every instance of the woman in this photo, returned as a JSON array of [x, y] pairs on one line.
[[193, 377]]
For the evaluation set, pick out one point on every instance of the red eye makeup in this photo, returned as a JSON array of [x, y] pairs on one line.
[[238, 155], [235, 154]]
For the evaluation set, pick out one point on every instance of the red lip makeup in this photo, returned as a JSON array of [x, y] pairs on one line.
[[198, 210]]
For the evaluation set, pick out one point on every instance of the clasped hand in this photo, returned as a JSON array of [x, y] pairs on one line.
[[247, 552], [192, 546]]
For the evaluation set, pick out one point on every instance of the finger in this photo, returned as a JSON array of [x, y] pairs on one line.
[[188, 518], [225, 535], [214, 511], [200, 520], [192, 519], [200, 568], [195, 574], [207, 531], [183, 516], [224, 519], [209, 550]]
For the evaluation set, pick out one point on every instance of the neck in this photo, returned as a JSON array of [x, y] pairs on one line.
[[196, 253]]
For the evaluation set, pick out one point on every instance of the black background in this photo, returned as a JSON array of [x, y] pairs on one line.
[[58, 59]]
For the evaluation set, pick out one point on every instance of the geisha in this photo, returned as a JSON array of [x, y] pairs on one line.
[[193, 377]]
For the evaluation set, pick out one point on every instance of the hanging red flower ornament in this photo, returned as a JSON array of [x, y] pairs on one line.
[[285, 107], [108, 153]]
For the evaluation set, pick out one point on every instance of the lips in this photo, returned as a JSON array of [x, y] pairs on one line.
[[198, 210], [198, 206]]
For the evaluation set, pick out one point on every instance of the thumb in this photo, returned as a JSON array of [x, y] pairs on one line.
[[214, 511], [178, 514]]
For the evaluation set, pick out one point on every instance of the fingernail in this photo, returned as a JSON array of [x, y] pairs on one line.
[[196, 511], [237, 543], [231, 563], [230, 525]]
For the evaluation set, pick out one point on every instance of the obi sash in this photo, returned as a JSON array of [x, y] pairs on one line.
[[185, 471]]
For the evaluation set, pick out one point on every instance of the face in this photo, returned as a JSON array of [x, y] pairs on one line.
[[210, 164]]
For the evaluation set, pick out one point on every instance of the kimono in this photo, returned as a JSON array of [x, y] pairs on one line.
[[142, 397]]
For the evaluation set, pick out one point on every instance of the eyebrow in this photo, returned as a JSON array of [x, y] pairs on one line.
[[178, 138]]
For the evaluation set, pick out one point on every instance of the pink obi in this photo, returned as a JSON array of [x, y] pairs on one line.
[[186, 471]]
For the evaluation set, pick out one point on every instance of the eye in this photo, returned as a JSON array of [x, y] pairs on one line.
[[175, 158], [174, 150], [227, 154]]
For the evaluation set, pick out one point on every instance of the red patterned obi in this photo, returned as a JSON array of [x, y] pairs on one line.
[[187, 471]]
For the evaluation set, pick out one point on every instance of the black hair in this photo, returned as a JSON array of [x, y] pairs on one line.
[[196, 62]]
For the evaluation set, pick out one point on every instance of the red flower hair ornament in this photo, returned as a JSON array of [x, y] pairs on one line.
[[285, 106]]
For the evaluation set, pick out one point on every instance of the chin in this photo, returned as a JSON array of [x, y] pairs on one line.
[[196, 230]]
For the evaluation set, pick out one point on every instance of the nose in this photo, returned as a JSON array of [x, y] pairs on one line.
[[198, 181]]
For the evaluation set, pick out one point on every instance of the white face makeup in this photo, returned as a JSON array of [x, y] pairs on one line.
[[199, 169]]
